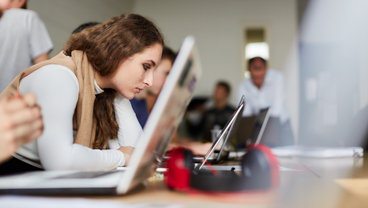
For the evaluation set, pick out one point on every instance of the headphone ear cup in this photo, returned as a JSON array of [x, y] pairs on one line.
[[179, 167], [188, 159], [260, 166]]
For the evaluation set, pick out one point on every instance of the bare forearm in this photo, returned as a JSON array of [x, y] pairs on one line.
[[40, 58]]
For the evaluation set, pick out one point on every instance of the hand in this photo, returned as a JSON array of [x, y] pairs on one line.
[[20, 122], [198, 148], [171, 146], [127, 151]]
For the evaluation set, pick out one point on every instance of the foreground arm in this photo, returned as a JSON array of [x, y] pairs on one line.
[[40, 58], [20, 123], [198, 148]]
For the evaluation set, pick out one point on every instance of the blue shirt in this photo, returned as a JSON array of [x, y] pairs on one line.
[[140, 109]]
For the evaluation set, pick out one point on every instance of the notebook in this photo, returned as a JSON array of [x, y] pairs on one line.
[[159, 129]]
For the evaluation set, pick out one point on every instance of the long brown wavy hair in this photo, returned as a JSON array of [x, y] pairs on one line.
[[106, 45]]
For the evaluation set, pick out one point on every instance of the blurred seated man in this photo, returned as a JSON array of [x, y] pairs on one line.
[[192, 123], [20, 123], [218, 115], [265, 88]]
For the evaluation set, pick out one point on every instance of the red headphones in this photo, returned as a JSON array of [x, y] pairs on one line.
[[259, 171]]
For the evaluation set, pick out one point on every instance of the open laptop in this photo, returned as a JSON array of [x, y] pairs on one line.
[[213, 155], [159, 129], [224, 135], [256, 134], [258, 127]]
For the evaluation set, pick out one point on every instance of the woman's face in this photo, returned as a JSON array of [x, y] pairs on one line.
[[136, 72], [160, 75]]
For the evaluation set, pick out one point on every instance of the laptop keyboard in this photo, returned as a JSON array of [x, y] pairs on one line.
[[86, 174]]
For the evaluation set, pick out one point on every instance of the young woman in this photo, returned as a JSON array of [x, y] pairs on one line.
[[76, 91]]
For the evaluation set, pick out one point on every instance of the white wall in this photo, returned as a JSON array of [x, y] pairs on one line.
[[61, 17], [218, 26]]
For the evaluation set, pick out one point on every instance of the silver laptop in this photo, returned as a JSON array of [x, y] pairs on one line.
[[157, 134]]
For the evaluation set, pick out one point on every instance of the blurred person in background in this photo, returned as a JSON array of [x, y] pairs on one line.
[[24, 40], [192, 123], [84, 26], [265, 88], [221, 111]]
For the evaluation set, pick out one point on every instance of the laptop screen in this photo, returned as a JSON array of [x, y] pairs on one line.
[[259, 126], [226, 131]]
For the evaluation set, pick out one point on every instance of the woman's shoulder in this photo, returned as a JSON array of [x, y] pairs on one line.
[[53, 75], [57, 71], [54, 85]]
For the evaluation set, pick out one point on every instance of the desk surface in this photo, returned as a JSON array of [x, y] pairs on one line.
[[311, 183]]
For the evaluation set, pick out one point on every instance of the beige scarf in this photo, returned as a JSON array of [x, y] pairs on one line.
[[83, 120]]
